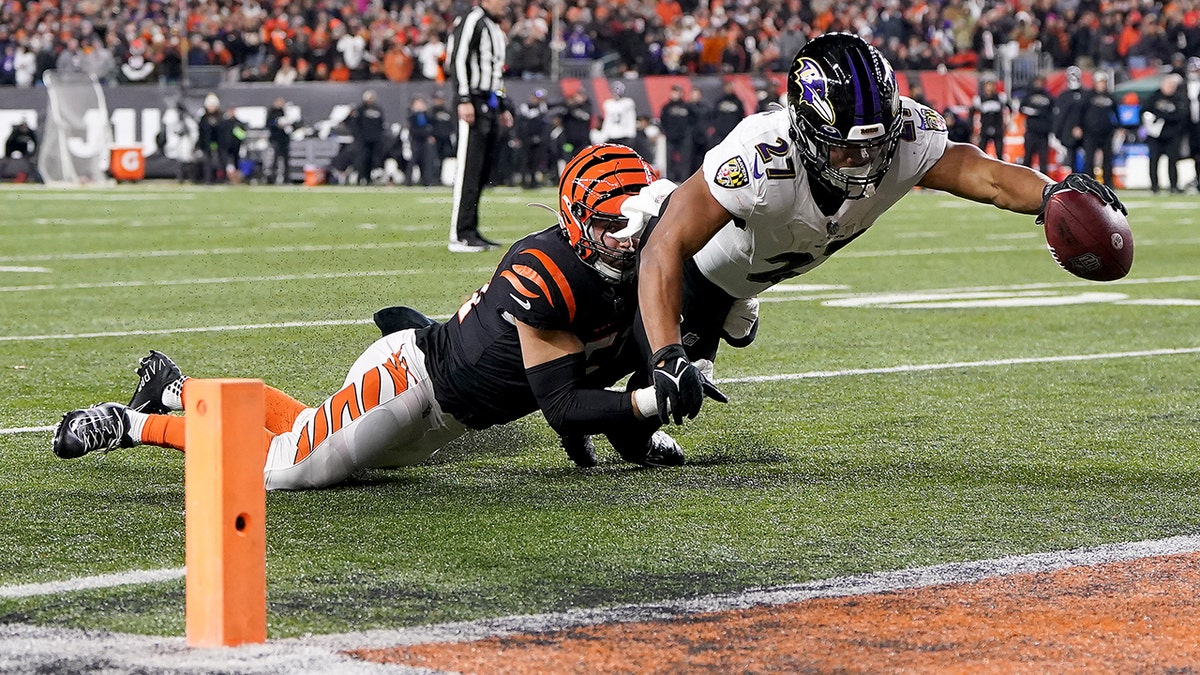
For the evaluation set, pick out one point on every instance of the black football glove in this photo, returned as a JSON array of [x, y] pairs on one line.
[[1080, 182], [679, 385]]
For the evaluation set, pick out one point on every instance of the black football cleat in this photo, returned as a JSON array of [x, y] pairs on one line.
[[658, 450], [155, 373], [100, 428], [580, 449]]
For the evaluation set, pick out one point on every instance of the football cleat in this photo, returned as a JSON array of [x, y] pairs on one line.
[[662, 450], [155, 373], [100, 428], [580, 449], [659, 450]]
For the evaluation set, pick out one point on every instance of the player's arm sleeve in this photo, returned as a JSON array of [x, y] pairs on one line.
[[571, 409], [923, 139], [734, 177]]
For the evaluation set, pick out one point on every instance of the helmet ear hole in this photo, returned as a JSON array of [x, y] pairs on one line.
[[578, 210]]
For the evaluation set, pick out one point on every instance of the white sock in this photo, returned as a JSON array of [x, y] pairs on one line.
[[137, 422], [172, 396]]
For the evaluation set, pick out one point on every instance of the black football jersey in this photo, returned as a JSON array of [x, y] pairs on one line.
[[474, 358]]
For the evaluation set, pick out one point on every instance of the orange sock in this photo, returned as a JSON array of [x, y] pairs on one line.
[[169, 431], [165, 431], [282, 410]]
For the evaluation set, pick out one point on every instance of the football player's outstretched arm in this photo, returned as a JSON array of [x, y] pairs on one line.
[[965, 171], [692, 217], [554, 364]]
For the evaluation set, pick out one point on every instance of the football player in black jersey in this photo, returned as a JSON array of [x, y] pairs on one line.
[[550, 330]]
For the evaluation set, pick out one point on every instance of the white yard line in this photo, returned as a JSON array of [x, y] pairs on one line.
[[175, 331], [26, 430], [25, 648], [924, 367], [218, 280], [861, 584], [87, 583], [792, 293], [780, 377], [321, 248], [231, 250]]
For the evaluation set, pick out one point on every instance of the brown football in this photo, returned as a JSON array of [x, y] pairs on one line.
[[1087, 237]]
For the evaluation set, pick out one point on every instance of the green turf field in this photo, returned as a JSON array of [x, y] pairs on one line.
[[862, 469]]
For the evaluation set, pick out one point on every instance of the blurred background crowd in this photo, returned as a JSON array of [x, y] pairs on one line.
[[400, 40]]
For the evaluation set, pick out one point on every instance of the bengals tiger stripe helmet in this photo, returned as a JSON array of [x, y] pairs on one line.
[[593, 186]]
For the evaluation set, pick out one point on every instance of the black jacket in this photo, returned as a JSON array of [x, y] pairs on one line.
[[1038, 108], [367, 122]]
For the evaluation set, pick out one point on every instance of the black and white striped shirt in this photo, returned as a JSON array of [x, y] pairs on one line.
[[477, 55]]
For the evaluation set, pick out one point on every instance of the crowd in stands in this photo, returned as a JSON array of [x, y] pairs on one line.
[[399, 40]]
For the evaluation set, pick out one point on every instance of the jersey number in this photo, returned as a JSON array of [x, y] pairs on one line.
[[767, 151], [793, 261], [476, 298]]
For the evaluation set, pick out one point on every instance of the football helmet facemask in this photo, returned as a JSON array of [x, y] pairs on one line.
[[845, 116], [593, 186]]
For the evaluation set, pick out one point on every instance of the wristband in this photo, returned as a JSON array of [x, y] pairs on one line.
[[645, 400]]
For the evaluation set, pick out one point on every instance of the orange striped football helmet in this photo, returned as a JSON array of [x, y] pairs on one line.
[[593, 186]]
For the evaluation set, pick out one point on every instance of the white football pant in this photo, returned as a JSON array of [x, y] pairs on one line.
[[385, 415]]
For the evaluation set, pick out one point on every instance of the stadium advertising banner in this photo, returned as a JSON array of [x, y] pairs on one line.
[[136, 111]]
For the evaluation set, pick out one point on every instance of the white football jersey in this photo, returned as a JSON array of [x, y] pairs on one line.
[[620, 119], [756, 174]]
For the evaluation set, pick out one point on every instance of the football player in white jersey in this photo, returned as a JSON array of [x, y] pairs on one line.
[[788, 188]]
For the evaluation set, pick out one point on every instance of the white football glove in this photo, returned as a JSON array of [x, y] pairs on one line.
[[643, 206], [741, 317]]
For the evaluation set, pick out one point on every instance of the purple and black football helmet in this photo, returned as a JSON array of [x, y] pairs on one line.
[[842, 95]]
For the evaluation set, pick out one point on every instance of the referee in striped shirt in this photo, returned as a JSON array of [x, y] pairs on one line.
[[477, 60]]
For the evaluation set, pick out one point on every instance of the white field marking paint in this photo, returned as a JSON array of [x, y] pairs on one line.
[[817, 374], [38, 270], [1015, 235], [86, 583], [805, 288], [28, 648], [989, 249], [200, 329], [77, 221], [926, 367], [103, 196], [1163, 302], [863, 584], [234, 250], [26, 430], [174, 331], [974, 300], [222, 280], [767, 295]]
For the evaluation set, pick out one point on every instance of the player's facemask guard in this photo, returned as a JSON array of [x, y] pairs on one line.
[[850, 167], [614, 264]]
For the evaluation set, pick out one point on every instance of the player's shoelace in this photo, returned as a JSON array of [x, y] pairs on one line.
[[100, 429]]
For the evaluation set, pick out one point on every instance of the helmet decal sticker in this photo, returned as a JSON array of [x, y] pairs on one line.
[[814, 89]]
